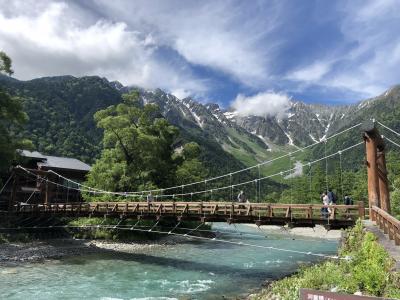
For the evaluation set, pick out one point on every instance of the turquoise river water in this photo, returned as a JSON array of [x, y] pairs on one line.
[[190, 270]]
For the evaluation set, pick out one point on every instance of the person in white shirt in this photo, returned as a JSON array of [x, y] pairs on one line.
[[150, 199], [325, 201]]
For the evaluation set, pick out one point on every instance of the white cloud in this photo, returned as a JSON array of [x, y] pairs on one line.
[[311, 73], [175, 44], [56, 41], [217, 35], [181, 93], [371, 65], [261, 104]]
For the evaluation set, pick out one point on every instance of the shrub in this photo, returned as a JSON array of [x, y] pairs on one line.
[[368, 270]]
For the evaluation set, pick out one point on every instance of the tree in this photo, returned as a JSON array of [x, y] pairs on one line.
[[138, 147], [190, 168], [12, 118], [5, 64]]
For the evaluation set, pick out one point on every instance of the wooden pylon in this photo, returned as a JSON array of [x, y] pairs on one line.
[[378, 187]]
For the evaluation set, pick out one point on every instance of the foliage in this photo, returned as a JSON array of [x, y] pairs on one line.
[[139, 152], [368, 270], [190, 168], [5, 64], [12, 119], [60, 111]]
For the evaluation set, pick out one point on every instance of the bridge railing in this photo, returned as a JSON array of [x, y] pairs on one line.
[[204, 209], [389, 224]]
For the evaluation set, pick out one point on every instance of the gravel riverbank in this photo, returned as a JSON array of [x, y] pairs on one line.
[[36, 251], [317, 232], [57, 248]]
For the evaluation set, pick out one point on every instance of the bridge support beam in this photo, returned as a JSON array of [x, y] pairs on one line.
[[372, 169], [378, 187], [384, 192], [14, 189]]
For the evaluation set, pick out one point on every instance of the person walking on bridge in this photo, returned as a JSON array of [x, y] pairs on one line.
[[348, 200], [332, 197], [326, 202], [241, 198], [150, 199]]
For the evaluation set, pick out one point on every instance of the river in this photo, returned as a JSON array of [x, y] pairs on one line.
[[193, 269]]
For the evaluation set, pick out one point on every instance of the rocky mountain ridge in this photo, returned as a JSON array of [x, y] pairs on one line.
[[61, 113]]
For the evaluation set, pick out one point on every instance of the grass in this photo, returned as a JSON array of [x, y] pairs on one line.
[[368, 270], [262, 155]]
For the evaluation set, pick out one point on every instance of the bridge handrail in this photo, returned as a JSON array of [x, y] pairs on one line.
[[261, 204], [226, 208], [387, 223]]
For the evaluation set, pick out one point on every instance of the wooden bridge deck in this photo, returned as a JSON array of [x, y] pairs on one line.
[[256, 213]]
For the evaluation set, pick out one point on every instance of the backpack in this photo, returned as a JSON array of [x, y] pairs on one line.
[[334, 198]]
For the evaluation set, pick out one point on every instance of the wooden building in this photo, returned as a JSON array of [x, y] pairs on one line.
[[42, 184]]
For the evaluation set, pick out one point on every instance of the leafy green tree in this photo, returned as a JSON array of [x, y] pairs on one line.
[[138, 147], [190, 168], [5, 64], [12, 118]]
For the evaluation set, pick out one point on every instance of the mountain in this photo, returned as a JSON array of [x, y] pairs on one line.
[[61, 109], [61, 120]]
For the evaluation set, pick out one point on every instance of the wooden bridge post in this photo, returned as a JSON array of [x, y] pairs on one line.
[[46, 194], [361, 210], [13, 198], [372, 141], [384, 193]]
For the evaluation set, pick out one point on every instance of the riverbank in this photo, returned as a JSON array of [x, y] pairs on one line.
[[316, 232], [363, 267], [37, 251]]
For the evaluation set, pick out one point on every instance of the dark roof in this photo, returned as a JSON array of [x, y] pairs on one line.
[[50, 162]]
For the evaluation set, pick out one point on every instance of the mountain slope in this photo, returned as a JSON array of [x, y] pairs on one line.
[[61, 117], [61, 121]]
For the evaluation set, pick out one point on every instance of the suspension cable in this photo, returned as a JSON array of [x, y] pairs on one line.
[[197, 192], [4, 186], [394, 143], [341, 173], [388, 128], [326, 170], [224, 175]]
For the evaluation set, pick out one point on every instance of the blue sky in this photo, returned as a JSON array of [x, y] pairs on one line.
[[316, 51]]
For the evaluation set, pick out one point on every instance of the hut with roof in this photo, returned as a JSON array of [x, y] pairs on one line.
[[43, 178]]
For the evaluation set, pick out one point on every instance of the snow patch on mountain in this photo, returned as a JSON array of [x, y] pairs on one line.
[[313, 138], [230, 114], [195, 116], [290, 138], [218, 118], [265, 142]]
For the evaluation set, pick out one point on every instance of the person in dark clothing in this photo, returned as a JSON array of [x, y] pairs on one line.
[[332, 197], [348, 200]]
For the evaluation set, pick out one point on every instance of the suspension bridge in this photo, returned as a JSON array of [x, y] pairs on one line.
[[55, 195]]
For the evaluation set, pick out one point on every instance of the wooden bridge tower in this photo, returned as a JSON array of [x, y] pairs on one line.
[[378, 186]]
